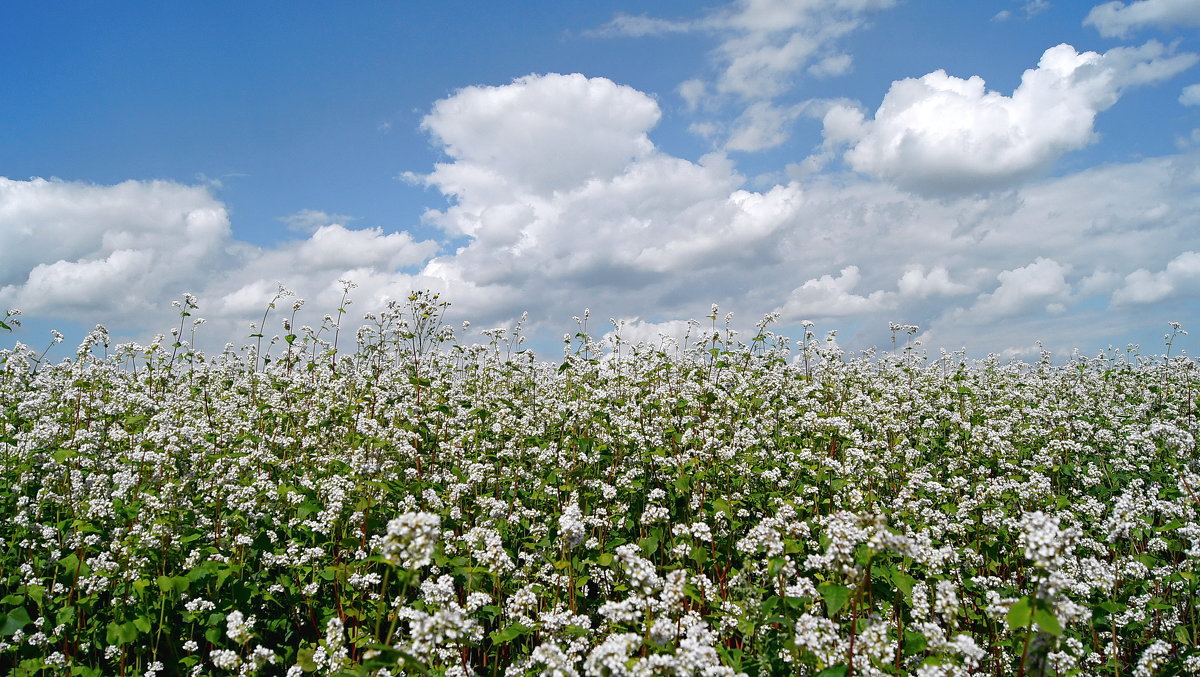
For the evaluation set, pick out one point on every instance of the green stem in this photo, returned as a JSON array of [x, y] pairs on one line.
[[387, 572], [396, 619], [1025, 648]]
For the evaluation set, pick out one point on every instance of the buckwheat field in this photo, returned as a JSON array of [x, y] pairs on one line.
[[402, 502]]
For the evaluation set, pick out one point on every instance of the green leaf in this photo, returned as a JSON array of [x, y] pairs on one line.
[[307, 508], [604, 559], [66, 615], [722, 505], [36, 592], [835, 597], [775, 565], [510, 633], [1047, 622], [776, 620], [129, 632], [903, 582], [61, 455], [733, 657], [71, 564], [683, 484], [834, 671], [914, 643], [304, 658], [16, 619], [121, 633], [1020, 614]]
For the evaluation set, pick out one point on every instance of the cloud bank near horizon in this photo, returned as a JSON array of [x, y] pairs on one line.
[[940, 208]]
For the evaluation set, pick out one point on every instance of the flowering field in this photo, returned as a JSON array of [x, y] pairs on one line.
[[419, 506]]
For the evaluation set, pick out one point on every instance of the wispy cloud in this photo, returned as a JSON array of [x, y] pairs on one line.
[[764, 47], [1028, 10], [309, 220], [1118, 20]]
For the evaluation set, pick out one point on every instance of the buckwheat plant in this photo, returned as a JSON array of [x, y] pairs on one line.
[[427, 505], [10, 319]]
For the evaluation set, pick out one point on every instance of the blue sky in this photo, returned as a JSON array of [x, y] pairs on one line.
[[998, 173]]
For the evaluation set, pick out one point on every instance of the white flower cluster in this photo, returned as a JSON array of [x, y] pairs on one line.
[[571, 528], [411, 539], [238, 627], [1044, 543]]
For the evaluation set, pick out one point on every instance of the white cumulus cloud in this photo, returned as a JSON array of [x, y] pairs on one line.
[[118, 254], [1181, 275], [613, 214], [829, 296], [1039, 285], [943, 134], [44, 221], [78, 246], [936, 282], [540, 133]]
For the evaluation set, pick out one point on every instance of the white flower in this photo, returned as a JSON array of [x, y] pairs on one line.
[[571, 529], [238, 627], [609, 658], [225, 659], [1044, 543], [1152, 658], [411, 539]]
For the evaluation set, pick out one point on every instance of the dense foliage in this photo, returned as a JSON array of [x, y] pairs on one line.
[[418, 506]]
